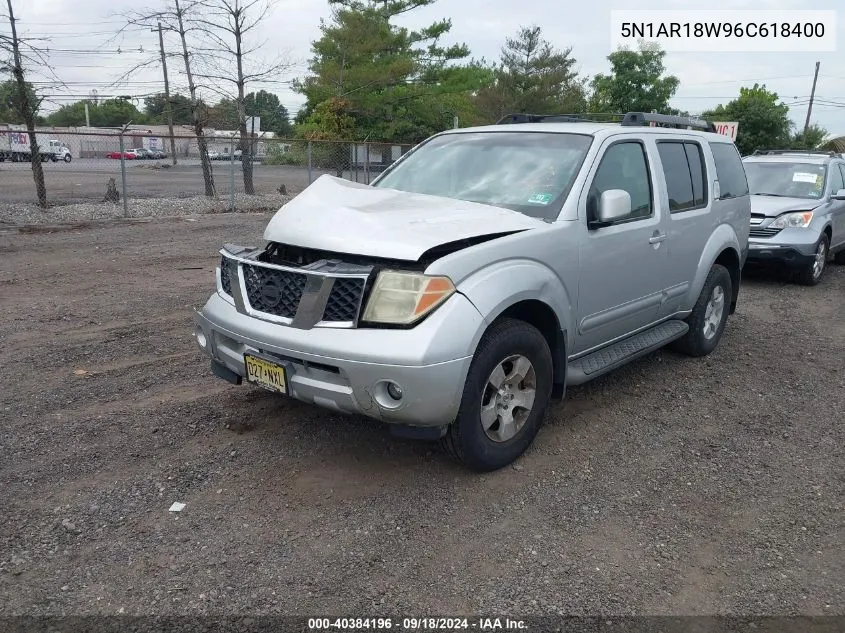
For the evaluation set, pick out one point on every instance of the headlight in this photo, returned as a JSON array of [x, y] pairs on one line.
[[798, 219], [402, 298]]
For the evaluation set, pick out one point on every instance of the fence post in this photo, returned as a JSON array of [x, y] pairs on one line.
[[232, 175], [367, 164], [123, 176], [309, 162]]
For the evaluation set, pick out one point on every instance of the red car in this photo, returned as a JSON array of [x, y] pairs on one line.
[[126, 155]]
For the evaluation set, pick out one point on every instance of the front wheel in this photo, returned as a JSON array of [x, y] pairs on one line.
[[811, 274], [505, 396], [67, 158], [709, 315]]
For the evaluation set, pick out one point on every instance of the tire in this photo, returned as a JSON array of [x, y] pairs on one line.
[[812, 273], [68, 158], [705, 330], [506, 345], [55, 158]]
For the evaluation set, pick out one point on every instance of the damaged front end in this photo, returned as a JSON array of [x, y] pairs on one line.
[[300, 290], [309, 288]]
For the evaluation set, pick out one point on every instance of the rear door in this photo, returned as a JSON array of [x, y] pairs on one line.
[[837, 207], [688, 198]]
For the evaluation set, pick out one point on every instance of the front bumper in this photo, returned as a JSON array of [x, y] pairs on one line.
[[344, 369], [791, 247]]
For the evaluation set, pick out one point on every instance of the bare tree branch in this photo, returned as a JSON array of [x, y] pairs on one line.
[[226, 25]]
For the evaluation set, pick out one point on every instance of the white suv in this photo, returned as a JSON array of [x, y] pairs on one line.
[[484, 272]]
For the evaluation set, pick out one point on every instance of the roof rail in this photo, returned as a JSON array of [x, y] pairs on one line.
[[776, 152], [540, 118], [666, 120]]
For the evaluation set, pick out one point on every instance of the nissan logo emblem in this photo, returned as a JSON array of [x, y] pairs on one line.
[[271, 293]]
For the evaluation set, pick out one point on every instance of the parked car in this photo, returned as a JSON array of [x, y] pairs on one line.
[[157, 154], [142, 153], [797, 211], [127, 155], [484, 272], [214, 155]]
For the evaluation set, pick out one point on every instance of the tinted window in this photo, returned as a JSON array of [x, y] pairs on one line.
[[623, 166], [683, 168], [729, 171], [698, 173], [529, 172], [836, 181], [677, 173]]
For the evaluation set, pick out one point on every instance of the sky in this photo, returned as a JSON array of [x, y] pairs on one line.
[[84, 49]]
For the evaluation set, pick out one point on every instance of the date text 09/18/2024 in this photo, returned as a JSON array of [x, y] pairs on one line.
[[416, 624]]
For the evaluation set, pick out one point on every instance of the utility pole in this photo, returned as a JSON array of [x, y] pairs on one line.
[[812, 97], [167, 107]]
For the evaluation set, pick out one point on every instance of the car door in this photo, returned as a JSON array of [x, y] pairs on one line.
[[837, 209], [622, 265], [682, 176]]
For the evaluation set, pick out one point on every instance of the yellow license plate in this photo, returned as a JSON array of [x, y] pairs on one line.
[[265, 374]]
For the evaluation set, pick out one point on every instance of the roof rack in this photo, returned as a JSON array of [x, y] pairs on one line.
[[775, 152], [665, 120], [541, 118]]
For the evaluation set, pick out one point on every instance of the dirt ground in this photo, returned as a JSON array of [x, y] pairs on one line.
[[672, 486]]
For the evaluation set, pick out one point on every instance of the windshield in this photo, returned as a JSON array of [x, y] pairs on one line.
[[529, 172], [794, 180]]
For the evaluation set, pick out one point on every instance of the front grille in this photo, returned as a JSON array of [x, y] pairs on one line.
[[344, 299], [279, 292], [761, 232], [228, 269], [275, 292]]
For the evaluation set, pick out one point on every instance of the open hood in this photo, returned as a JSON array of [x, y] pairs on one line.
[[772, 206], [349, 217]]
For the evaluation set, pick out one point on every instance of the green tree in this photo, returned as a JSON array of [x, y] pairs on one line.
[[274, 116], [223, 115], [108, 113], [763, 120], [532, 77], [813, 139], [10, 106], [636, 83], [395, 80], [329, 121], [180, 106]]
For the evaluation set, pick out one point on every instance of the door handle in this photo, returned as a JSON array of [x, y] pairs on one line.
[[656, 239]]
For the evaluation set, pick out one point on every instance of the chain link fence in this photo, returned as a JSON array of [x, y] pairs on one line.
[[110, 173]]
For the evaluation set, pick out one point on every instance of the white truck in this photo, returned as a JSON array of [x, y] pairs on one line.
[[14, 146]]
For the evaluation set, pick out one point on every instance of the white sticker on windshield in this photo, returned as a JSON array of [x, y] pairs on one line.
[[799, 176]]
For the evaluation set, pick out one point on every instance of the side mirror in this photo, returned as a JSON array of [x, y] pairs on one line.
[[839, 195], [613, 204]]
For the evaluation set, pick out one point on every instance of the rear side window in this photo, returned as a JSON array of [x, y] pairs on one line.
[[836, 181], [842, 170], [729, 171], [683, 168]]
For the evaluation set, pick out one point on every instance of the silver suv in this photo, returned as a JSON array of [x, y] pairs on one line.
[[797, 211], [484, 272]]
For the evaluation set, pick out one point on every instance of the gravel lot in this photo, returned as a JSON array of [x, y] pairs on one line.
[[673, 486]]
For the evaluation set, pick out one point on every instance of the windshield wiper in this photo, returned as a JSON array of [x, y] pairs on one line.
[[773, 195]]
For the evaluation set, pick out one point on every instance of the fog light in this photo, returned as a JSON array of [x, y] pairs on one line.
[[394, 391], [200, 336]]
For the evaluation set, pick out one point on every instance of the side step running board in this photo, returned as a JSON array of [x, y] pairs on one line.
[[614, 356]]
